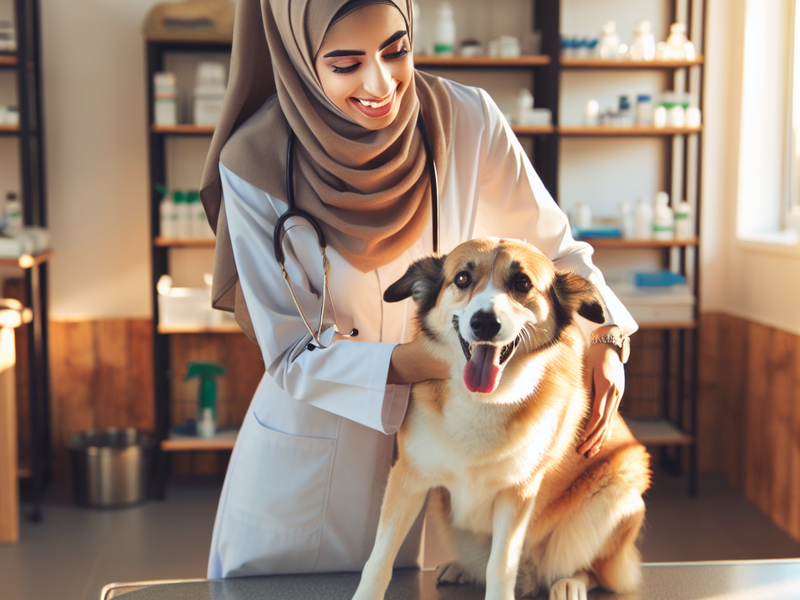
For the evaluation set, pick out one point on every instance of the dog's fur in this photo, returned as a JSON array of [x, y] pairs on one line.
[[525, 510]]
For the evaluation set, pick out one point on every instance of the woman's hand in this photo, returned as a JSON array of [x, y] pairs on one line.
[[605, 376], [412, 362]]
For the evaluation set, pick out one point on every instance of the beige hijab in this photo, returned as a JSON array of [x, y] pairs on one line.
[[369, 190]]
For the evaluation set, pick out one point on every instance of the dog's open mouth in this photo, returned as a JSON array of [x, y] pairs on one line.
[[485, 362]]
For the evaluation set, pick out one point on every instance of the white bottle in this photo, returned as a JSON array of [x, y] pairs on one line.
[[165, 104], [445, 41], [201, 230], [609, 41], [643, 46], [168, 218], [184, 214], [582, 216], [524, 107], [627, 221], [663, 219], [12, 214], [591, 114], [643, 220], [678, 46], [683, 221]]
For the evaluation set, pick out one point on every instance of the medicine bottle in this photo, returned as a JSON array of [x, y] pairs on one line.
[[643, 220], [683, 221], [663, 219], [445, 42]]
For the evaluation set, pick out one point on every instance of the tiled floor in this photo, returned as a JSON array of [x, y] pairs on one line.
[[75, 551]]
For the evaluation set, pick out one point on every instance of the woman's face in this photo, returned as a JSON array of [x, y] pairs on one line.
[[365, 64]]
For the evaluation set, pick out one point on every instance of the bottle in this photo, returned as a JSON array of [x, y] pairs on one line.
[[168, 218], [663, 219], [524, 107], [12, 214], [678, 46], [644, 110], [420, 45], [183, 222], [660, 116], [165, 109], [609, 41], [582, 216], [201, 230], [643, 46], [683, 221], [209, 93], [625, 115], [591, 114], [627, 221], [644, 220], [206, 396], [445, 42]]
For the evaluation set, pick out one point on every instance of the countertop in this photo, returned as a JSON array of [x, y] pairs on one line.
[[735, 580]]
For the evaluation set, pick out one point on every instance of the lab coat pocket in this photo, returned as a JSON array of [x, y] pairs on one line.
[[280, 482]]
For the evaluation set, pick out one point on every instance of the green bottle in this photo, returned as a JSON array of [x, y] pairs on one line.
[[206, 396]]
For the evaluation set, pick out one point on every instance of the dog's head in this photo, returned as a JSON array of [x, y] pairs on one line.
[[490, 296]]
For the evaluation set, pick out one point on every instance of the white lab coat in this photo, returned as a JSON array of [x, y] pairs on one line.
[[306, 477]]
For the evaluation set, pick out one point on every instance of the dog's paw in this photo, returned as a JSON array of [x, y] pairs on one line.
[[568, 589], [453, 573]]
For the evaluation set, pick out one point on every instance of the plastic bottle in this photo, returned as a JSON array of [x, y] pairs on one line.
[[644, 110], [165, 104], [206, 396], [625, 113], [683, 221], [582, 216], [209, 93], [678, 46], [524, 107], [643, 220], [445, 41], [627, 220], [591, 114], [183, 212], [12, 213], [168, 218], [609, 41], [663, 219], [643, 46], [200, 228]]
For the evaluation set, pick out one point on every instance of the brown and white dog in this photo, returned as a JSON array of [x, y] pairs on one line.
[[498, 444]]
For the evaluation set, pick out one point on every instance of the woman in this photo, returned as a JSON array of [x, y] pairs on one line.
[[306, 478]]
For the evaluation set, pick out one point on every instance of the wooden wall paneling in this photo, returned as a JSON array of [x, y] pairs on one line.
[[779, 428], [758, 468], [109, 396], [794, 450], [732, 374], [140, 385]]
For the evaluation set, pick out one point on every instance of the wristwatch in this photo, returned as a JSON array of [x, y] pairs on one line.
[[623, 345]]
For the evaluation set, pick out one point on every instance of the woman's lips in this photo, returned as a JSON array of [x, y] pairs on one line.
[[376, 112]]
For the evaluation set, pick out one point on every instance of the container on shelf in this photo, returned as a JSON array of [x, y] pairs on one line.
[[165, 107], [644, 110], [656, 305], [643, 220], [445, 40], [683, 221], [8, 37], [187, 306], [209, 93], [663, 219], [643, 46]]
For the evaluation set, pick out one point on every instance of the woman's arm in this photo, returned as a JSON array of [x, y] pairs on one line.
[[349, 378]]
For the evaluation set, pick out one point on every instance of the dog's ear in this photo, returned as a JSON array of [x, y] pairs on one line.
[[576, 294], [422, 282]]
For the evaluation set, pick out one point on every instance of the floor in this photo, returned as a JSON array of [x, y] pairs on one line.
[[75, 551]]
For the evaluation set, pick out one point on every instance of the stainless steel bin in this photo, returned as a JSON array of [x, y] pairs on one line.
[[111, 467]]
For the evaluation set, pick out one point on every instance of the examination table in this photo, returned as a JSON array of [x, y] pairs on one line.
[[735, 580]]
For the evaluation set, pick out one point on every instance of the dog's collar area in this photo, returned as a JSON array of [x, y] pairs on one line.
[[505, 353]]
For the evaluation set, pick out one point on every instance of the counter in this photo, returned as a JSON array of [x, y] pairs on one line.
[[736, 580]]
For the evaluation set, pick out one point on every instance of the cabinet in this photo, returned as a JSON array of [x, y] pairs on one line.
[[25, 65], [673, 424]]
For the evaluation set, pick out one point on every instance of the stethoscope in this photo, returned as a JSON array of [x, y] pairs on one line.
[[294, 212]]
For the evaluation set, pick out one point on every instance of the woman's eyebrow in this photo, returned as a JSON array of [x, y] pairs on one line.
[[338, 53], [393, 39]]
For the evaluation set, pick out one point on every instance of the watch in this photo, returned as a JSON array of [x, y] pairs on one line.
[[623, 345]]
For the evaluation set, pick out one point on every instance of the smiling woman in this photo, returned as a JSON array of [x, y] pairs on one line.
[[367, 84]]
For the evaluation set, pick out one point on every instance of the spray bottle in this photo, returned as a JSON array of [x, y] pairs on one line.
[[206, 396]]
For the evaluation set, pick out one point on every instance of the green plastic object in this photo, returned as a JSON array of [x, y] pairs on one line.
[[206, 395]]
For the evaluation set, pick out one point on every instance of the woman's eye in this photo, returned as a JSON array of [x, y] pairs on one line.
[[395, 55], [349, 69], [522, 284], [463, 280]]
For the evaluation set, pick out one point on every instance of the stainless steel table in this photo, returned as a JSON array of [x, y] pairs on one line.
[[735, 580]]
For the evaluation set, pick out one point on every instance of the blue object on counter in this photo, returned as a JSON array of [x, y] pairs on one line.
[[659, 279], [604, 232]]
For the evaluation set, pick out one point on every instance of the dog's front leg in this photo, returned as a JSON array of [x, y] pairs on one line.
[[509, 527], [404, 497]]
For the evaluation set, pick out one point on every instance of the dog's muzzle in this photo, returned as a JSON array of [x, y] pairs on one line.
[[506, 353]]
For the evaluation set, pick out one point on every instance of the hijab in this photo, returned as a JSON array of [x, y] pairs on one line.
[[369, 190]]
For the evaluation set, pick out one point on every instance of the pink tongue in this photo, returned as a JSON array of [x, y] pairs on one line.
[[482, 374]]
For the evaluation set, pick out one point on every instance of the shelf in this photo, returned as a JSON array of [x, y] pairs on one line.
[[224, 440], [26, 261], [9, 129], [479, 62], [225, 328], [657, 432], [606, 63], [667, 325], [618, 243], [533, 129], [183, 129], [8, 60], [24, 472], [636, 131], [176, 243]]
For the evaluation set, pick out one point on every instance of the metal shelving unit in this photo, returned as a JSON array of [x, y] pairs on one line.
[[26, 63]]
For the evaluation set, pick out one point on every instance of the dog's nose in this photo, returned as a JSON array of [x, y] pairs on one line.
[[485, 325]]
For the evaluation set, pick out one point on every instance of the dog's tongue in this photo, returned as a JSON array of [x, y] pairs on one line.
[[482, 373]]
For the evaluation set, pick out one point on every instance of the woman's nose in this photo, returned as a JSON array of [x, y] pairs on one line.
[[378, 81]]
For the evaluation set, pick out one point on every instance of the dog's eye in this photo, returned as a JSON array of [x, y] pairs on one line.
[[463, 280], [522, 283]]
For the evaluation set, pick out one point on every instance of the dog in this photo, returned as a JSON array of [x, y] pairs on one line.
[[498, 441]]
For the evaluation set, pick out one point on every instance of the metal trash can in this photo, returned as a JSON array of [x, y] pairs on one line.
[[111, 468]]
